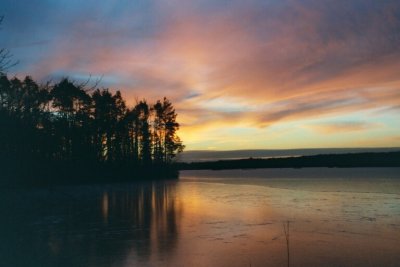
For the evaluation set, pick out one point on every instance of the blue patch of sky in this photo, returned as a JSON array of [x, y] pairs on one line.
[[192, 94], [370, 118], [104, 81], [43, 23]]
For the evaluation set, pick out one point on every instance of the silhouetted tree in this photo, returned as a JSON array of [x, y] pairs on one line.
[[172, 143], [166, 142], [4, 92], [71, 107], [132, 124], [158, 133], [143, 112], [64, 124], [104, 117], [119, 140]]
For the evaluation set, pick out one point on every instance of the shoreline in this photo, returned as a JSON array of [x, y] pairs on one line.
[[348, 160]]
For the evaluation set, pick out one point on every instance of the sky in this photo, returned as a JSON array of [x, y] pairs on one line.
[[254, 74]]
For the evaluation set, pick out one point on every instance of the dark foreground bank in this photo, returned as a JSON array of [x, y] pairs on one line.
[[32, 173], [350, 160]]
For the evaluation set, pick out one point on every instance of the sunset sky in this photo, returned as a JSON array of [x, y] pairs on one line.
[[266, 74]]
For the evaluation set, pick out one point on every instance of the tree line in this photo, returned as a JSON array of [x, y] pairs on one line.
[[70, 122]]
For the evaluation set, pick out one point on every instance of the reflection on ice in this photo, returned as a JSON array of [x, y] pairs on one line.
[[89, 225], [334, 221], [338, 217]]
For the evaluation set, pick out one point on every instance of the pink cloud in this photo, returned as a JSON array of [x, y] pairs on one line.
[[344, 127]]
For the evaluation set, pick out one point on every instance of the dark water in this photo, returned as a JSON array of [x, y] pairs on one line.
[[338, 217]]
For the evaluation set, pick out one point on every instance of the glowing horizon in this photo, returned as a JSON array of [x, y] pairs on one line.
[[241, 75]]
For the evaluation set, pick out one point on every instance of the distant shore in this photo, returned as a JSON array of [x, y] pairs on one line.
[[214, 155], [348, 160]]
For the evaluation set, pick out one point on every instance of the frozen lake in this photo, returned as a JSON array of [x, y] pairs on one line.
[[337, 217]]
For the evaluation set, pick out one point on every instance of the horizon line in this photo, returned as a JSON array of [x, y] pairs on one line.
[[285, 149]]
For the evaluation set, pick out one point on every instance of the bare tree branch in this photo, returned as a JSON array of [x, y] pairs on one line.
[[6, 61], [94, 86]]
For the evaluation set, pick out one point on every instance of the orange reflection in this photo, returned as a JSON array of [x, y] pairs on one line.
[[104, 206]]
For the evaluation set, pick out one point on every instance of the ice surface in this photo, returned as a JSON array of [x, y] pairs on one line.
[[337, 217]]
